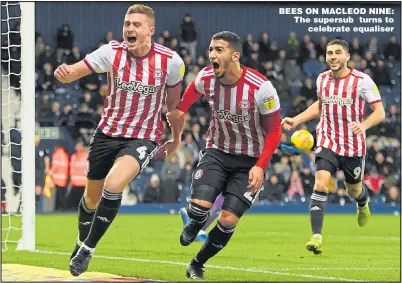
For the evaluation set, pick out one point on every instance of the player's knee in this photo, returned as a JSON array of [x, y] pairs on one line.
[[114, 185], [320, 185], [354, 190], [228, 219], [197, 212]]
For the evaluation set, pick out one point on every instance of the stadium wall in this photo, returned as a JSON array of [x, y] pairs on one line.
[[264, 209], [209, 17]]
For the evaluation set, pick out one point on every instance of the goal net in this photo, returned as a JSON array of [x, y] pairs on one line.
[[18, 125]]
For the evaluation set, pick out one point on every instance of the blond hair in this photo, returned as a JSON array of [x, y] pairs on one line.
[[142, 9]]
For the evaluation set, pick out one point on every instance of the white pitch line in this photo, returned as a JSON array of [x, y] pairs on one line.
[[252, 269], [381, 238], [339, 268]]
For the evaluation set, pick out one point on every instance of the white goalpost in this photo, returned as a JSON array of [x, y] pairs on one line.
[[20, 231]]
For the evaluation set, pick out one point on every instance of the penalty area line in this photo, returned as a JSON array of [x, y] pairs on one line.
[[250, 269]]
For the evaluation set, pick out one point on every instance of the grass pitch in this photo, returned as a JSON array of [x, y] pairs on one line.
[[264, 248]]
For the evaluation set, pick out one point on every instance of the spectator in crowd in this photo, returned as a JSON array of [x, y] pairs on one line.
[[273, 190], [308, 91], [42, 168], [264, 45], [374, 181], [293, 73], [322, 45], [371, 62], [151, 193], [78, 175], [381, 74], [279, 63], [59, 173], [253, 61], [307, 181], [282, 88], [312, 67], [392, 49], [166, 37], [340, 197], [190, 146], [47, 56], [46, 78], [393, 196], [75, 55], [283, 168], [108, 37], [189, 36], [65, 37], [174, 45], [248, 45], [191, 75], [160, 40], [186, 175], [304, 49], [293, 46], [201, 62], [66, 117], [90, 82], [373, 47], [45, 106], [196, 132], [171, 169], [356, 48], [273, 51], [296, 186]]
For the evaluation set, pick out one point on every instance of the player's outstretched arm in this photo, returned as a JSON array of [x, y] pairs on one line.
[[271, 124], [172, 100], [311, 113], [69, 73], [176, 117]]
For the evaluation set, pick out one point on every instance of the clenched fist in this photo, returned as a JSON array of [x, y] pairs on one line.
[[289, 123], [63, 73]]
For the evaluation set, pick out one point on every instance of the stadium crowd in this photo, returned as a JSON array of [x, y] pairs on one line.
[[291, 66]]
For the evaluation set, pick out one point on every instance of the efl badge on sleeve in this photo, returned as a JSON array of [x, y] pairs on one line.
[[375, 89], [269, 103], [182, 70]]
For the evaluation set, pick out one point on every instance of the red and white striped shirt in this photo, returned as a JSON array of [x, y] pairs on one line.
[[343, 102], [137, 88], [235, 119]]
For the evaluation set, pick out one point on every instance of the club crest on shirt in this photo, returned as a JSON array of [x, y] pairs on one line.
[[349, 90], [244, 104], [158, 73], [198, 174]]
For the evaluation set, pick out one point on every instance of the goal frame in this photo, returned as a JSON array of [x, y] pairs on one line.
[[27, 31]]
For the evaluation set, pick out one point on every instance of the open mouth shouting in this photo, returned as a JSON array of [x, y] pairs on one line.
[[215, 65], [131, 39]]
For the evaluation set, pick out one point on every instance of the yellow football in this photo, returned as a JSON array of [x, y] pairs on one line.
[[302, 140]]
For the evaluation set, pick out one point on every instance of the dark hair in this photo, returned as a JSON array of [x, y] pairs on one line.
[[230, 37], [341, 42]]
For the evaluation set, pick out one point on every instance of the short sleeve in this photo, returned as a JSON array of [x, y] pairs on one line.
[[199, 84], [100, 61], [369, 90], [267, 99], [176, 72], [318, 84]]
